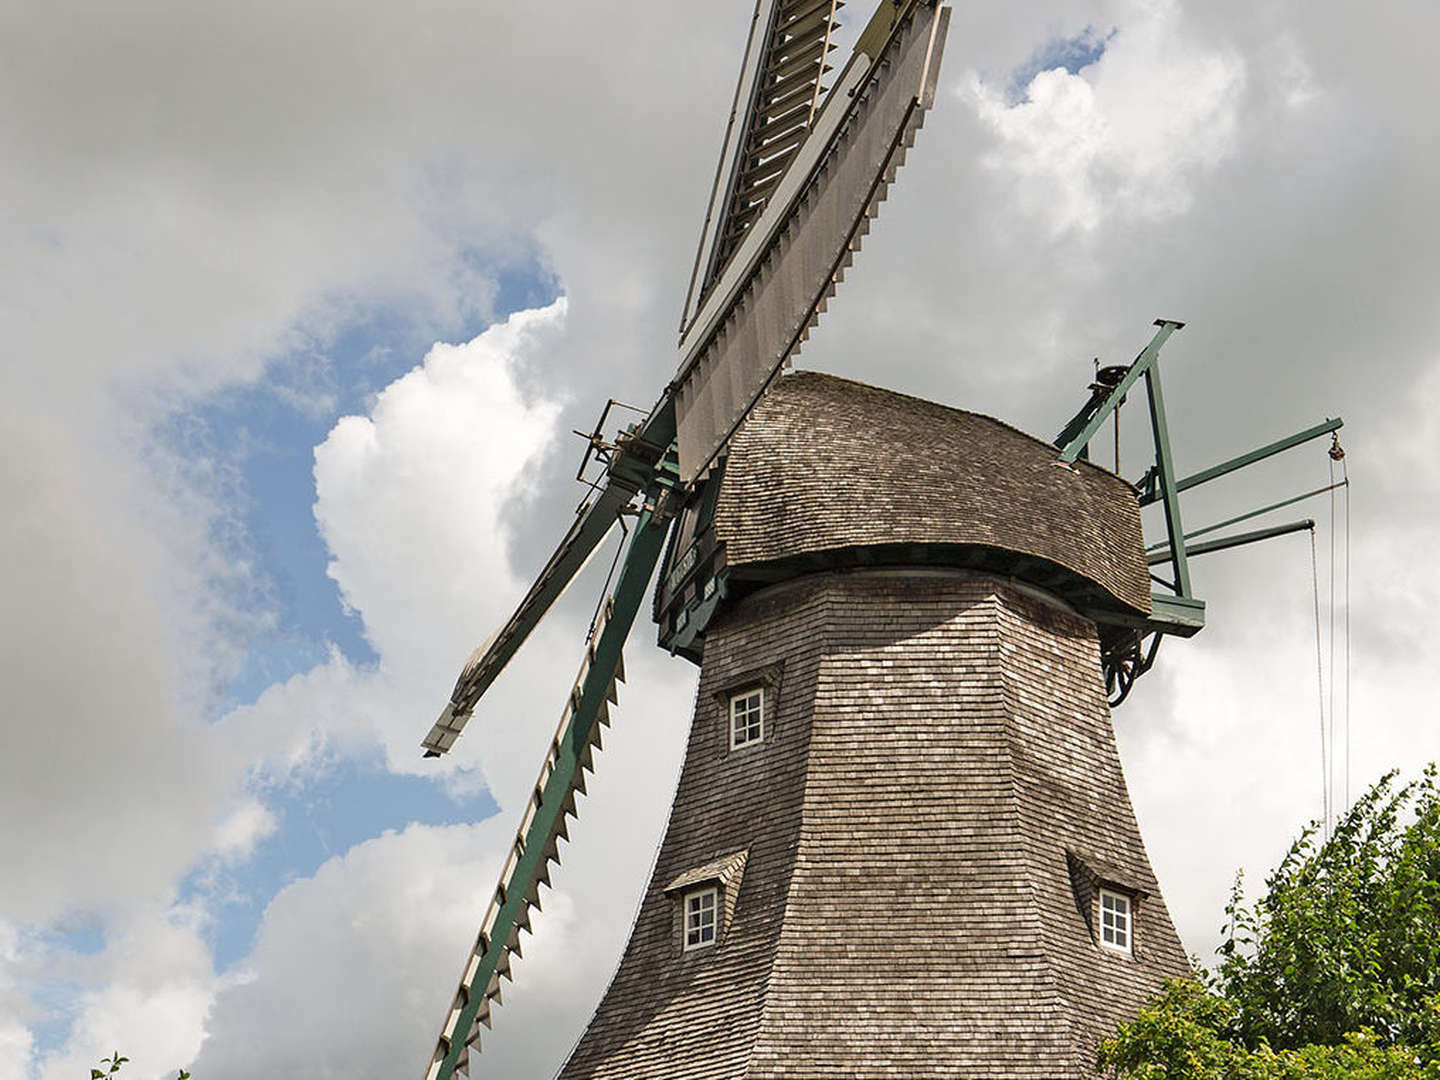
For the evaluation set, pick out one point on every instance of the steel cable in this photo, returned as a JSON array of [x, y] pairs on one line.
[[1332, 630], [1320, 684], [1345, 473]]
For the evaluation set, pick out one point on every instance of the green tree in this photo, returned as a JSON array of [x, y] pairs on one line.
[[1187, 1033], [1335, 972], [113, 1063]]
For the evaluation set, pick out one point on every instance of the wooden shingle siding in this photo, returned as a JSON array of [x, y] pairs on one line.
[[673, 1014], [907, 906], [829, 467]]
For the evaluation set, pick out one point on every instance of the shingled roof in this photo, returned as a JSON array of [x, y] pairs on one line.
[[831, 472]]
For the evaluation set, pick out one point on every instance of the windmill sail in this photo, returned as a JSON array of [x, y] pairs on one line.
[[799, 199], [776, 100], [629, 473], [773, 287], [498, 942], [562, 777]]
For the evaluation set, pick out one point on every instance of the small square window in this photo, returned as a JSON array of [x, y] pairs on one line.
[[702, 909], [1116, 921], [747, 717]]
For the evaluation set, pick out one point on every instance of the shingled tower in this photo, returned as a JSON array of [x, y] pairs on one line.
[[901, 843]]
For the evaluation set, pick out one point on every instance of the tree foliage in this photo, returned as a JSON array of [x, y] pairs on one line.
[[1187, 1033], [1335, 972], [112, 1066], [1348, 934]]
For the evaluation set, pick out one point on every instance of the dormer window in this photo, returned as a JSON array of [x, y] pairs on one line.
[[704, 899], [1107, 896], [747, 717], [702, 917], [1117, 924], [747, 709]]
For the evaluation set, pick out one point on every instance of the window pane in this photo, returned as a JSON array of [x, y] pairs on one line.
[[1115, 916], [701, 922], [746, 717]]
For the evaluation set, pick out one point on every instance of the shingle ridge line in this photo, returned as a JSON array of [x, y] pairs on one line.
[[824, 377]]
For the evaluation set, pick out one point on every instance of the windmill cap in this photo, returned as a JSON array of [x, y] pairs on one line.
[[827, 472]]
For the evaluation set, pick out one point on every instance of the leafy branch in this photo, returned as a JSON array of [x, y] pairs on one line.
[[114, 1061]]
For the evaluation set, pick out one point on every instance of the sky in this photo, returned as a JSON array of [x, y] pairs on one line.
[[301, 302]]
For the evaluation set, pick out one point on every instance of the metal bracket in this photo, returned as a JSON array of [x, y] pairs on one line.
[[1180, 614], [598, 448], [1082, 427]]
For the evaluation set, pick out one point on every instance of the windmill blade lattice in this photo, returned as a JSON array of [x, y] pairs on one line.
[[764, 304], [775, 104], [629, 475], [552, 803]]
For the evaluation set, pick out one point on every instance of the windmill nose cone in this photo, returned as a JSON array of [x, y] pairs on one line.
[[828, 473]]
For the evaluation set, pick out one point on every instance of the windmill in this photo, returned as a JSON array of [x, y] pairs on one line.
[[901, 842]]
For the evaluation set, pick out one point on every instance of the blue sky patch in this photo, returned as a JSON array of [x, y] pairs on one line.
[[60, 1003], [258, 444], [1071, 53], [59, 1000], [348, 803]]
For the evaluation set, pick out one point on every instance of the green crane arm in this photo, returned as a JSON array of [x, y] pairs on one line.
[[1082, 427], [544, 824]]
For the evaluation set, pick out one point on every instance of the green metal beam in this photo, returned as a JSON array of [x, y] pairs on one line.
[[1255, 513], [1081, 429], [1182, 616], [1253, 456], [564, 779], [1166, 475], [1205, 547]]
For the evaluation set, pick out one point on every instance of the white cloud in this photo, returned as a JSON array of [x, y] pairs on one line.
[[371, 946], [16, 1040], [247, 824], [362, 945], [410, 500], [15, 1046], [97, 746], [413, 500], [201, 188], [146, 994], [1125, 134], [156, 1026]]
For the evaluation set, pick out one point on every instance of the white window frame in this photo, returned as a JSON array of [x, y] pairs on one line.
[[740, 736], [700, 916], [1117, 921]]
